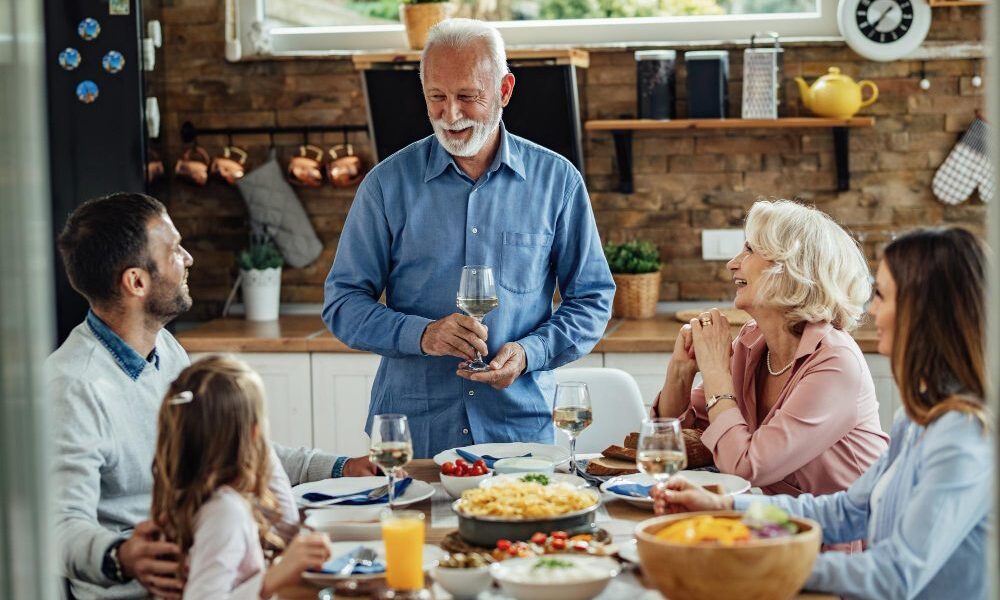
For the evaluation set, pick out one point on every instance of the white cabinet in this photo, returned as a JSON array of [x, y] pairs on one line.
[[648, 368], [286, 377], [885, 388], [341, 391]]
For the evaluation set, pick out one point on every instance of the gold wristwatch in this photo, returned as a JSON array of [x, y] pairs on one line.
[[711, 401]]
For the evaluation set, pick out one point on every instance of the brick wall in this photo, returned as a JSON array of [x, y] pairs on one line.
[[685, 181]]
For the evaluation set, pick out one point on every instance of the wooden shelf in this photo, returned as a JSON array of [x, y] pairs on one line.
[[558, 56], [621, 130], [785, 123], [944, 3]]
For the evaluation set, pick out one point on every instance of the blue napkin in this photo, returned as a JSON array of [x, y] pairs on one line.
[[359, 498], [489, 460], [334, 565], [634, 490]]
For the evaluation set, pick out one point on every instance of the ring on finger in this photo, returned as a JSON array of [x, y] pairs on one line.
[[705, 321]]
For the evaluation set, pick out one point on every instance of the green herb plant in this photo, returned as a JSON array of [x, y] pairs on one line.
[[261, 254], [631, 258]]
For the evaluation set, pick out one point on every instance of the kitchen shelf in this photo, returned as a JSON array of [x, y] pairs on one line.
[[621, 130], [944, 3], [559, 56]]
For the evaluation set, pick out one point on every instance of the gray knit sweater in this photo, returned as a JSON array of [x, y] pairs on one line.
[[105, 400]]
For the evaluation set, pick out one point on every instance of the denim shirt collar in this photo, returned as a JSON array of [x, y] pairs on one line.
[[127, 358], [507, 154]]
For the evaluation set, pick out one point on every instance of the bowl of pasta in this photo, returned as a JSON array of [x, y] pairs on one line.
[[517, 510], [762, 553]]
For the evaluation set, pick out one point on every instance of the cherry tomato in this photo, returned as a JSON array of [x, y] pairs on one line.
[[448, 468], [560, 535], [480, 463], [558, 543], [539, 538], [503, 544], [461, 463], [460, 470], [479, 470], [581, 546]]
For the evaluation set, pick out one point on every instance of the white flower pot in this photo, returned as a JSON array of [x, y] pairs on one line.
[[262, 294]]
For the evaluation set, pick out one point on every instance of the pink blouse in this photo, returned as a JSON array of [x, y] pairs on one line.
[[822, 433]]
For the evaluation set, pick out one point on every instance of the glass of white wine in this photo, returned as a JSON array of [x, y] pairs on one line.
[[391, 447], [661, 453], [477, 295], [572, 413]]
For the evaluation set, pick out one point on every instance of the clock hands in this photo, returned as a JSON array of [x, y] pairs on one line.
[[883, 16]]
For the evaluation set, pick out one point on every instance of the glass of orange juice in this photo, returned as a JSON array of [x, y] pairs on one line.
[[403, 536]]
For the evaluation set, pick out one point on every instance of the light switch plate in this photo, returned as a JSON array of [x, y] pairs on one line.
[[721, 244]]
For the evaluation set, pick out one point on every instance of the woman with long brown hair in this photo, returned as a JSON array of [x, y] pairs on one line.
[[923, 507], [213, 488]]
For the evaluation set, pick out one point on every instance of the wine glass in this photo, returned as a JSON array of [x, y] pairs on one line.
[[477, 295], [660, 452], [391, 447], [571, 412]]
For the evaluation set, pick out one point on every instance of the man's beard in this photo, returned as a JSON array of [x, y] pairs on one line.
[[481, 132], [167, 302]]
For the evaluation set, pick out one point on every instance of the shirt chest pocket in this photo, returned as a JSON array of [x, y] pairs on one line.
[[524, 260]]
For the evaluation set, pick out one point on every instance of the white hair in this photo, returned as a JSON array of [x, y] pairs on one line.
[[819, 272], [459, 34]]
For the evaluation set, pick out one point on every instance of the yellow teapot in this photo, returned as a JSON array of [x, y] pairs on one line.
[[834, 95]]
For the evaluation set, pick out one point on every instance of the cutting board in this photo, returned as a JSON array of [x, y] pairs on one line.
[[735, 315]]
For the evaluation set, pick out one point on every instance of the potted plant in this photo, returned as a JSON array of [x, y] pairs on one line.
[[635, 267], [260, 271], [419, 16]]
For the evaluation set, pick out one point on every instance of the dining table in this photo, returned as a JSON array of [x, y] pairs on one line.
[[620, 522]]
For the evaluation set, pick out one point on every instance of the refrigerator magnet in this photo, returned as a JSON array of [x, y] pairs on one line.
[[89, 29], [69, 59], [86, 91], [118, 7], [113, 61]]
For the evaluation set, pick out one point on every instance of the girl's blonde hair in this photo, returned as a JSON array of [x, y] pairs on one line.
[[211, 434], [819, 272]]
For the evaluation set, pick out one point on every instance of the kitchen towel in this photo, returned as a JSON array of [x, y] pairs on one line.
[[273, 204]]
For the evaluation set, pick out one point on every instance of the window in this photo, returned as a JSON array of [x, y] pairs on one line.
[[332, 25]]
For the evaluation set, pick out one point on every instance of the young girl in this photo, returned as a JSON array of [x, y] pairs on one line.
[[216, 482], [924, 506]]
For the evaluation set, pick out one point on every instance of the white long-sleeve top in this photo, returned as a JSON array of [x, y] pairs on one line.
[[226, 561]]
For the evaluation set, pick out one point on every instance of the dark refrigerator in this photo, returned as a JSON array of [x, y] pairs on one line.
[[96, 106]]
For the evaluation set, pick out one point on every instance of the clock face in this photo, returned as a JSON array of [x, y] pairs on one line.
[[884, 21], [884, 29]]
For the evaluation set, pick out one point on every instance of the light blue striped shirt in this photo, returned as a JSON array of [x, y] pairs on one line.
[[928, 538], [415, 221]]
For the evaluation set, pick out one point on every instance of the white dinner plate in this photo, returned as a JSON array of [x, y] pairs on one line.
[[629, 551], [730, 483], [556, 454], [573, 480], [417, 490], [432, 554]]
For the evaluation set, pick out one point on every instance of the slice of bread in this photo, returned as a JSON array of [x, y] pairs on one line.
[[604, 466], [619, 452], [697, 454]]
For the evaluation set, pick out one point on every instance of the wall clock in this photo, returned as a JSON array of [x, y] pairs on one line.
[[884, 29]]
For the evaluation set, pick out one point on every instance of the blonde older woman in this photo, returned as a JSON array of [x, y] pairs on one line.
[[790, 404]]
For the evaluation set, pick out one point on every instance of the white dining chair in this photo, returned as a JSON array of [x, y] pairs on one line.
[[617, 406]]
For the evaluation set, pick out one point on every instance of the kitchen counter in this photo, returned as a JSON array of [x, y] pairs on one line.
[[305, 333]]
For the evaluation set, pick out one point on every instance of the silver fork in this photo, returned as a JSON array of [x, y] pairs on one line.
[[363, 556]]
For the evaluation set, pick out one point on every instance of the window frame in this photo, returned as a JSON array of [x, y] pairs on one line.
[[581, 33]]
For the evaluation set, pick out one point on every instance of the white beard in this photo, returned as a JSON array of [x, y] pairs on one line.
[[481, 132]]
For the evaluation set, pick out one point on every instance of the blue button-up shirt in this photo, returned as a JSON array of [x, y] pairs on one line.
[[415, 221], [927, 540], [128, 359]]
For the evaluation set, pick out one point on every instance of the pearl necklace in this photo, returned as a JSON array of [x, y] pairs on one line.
[[772, 371]]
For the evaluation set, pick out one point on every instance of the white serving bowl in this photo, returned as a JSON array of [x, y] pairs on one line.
[[517, 579], [524, 464], [456, 485], [347, 522], [463, 583]]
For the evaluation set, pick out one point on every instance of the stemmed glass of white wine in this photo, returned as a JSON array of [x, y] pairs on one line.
[[572, 413], [477, 295], [391, 447], [660, 453]]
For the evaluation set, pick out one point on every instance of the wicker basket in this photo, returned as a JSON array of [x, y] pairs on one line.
[[420, 18], [636, 295]]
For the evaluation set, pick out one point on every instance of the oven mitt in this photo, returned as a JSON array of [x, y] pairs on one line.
[[966, 168], [273, 204]]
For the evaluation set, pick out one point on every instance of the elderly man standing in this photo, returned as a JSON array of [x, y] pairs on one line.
[[471, 194]]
